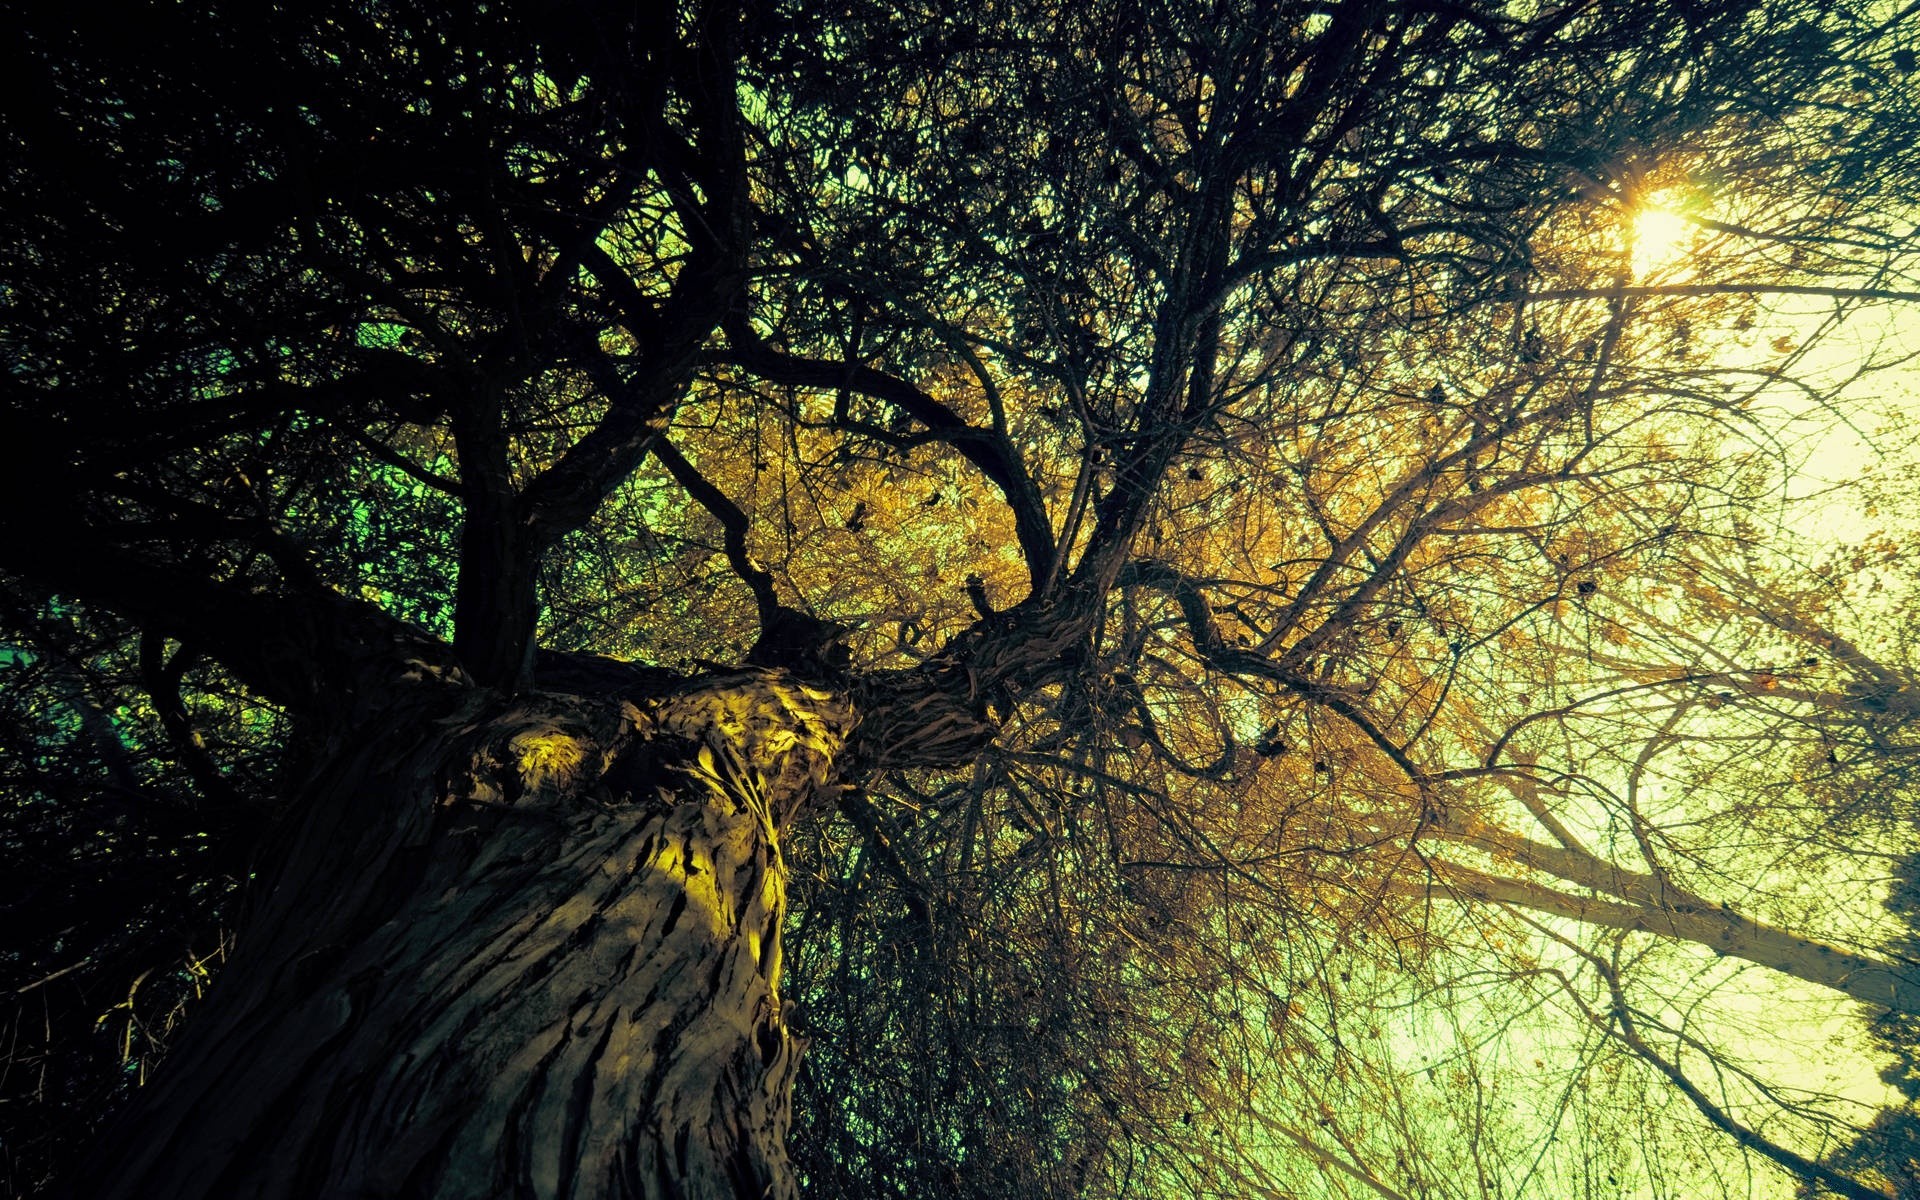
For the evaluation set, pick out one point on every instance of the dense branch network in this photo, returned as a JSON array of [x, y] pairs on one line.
[[1255, 501]]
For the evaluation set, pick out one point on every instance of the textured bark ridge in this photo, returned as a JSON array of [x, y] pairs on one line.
[[534, 952]]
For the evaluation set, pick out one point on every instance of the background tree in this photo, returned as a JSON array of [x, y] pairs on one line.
[[1186, 539]]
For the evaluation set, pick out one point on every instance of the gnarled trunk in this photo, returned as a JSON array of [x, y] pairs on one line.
[[530, 948]]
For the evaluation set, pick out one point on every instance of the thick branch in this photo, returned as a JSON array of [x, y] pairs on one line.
[[161, 674], [1571, 863], [673, 331], [988, 450], [314, 651], [733, 525], [494, 602], [1204, 631], [1868, 980], [1723, 289]]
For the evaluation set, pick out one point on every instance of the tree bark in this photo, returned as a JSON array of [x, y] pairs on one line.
[[515, 947], [1872, 981]]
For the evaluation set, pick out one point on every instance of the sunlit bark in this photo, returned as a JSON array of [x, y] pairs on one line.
[[526, 948]]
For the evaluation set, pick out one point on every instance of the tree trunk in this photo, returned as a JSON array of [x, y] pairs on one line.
[[530, 948]]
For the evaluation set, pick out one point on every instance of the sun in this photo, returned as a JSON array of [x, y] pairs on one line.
[[1660, 236]]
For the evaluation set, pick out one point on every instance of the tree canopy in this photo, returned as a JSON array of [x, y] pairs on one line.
[[1324, 662]]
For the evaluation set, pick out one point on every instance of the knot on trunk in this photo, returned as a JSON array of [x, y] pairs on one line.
[[786, 733], [538, 750], [805, 645]]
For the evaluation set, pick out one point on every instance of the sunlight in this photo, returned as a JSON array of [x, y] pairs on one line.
[[1660, 236]]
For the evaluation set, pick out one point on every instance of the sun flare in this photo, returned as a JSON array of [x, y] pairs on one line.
[[1660, 236]]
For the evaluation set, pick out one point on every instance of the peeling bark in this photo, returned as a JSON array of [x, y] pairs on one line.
[[530, 947]]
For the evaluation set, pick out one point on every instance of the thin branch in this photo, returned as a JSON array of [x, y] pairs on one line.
[[733, 525]]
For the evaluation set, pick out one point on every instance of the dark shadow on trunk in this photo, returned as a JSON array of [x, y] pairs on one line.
[[525, 947]]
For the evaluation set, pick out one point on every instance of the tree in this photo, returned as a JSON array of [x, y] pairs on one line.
[[1117, 508]]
